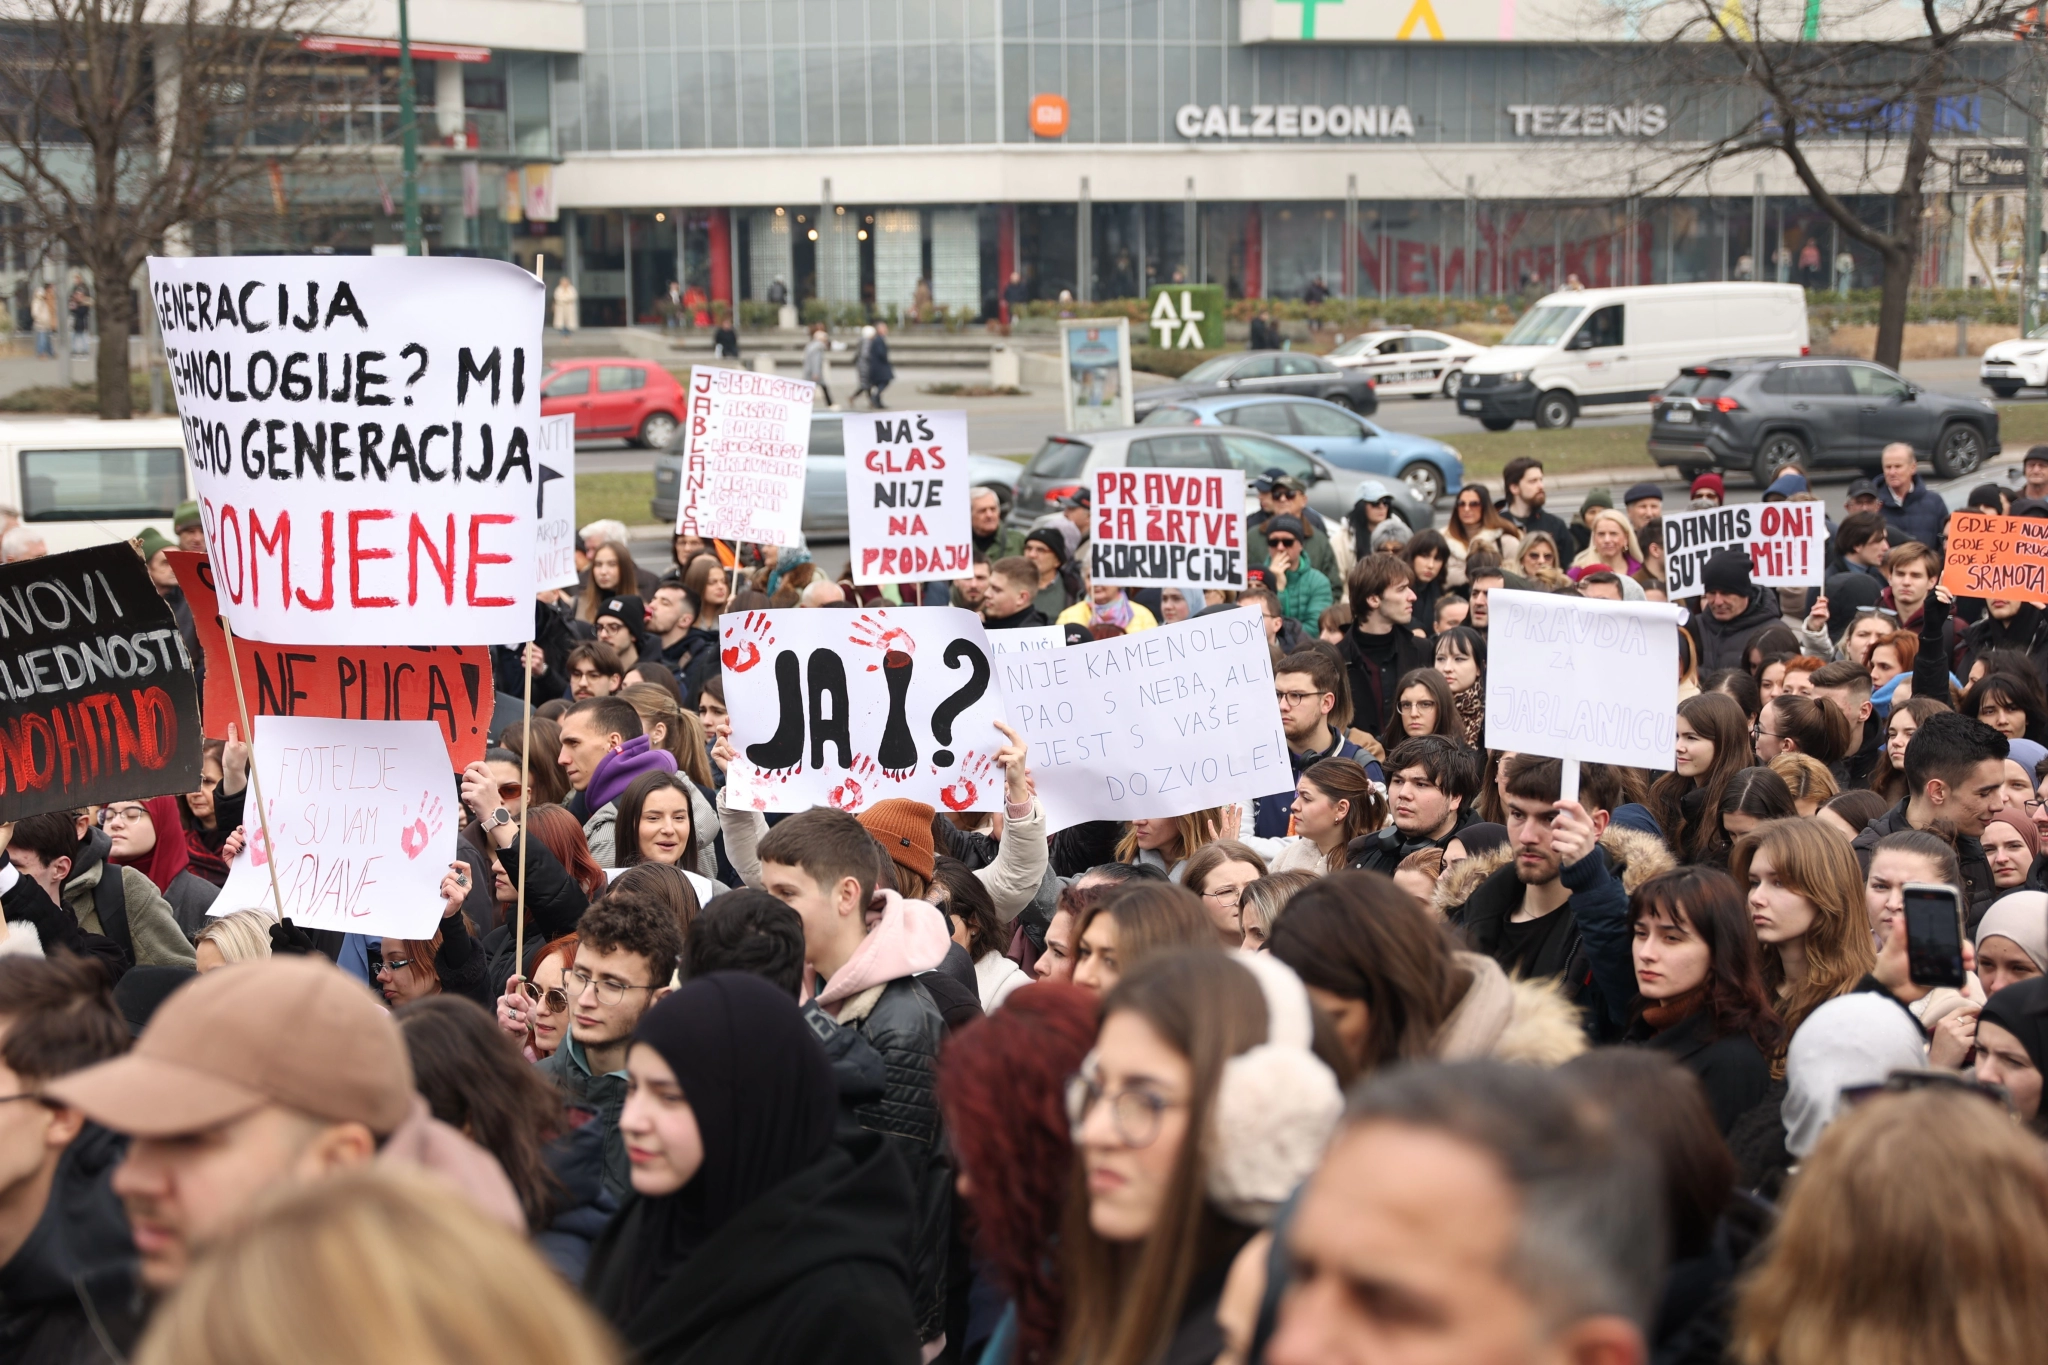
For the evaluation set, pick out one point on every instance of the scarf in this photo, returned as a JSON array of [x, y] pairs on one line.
[[1115, 612], [1665, 1013], [1471, 708], [762, 1092], [204, 862], [163, 863]]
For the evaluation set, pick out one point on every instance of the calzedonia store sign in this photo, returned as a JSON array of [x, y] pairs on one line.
[[1233, 121]]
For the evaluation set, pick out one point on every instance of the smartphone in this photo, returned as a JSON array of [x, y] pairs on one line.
[[1934, 934]]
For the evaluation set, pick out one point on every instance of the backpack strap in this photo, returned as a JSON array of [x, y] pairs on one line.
[[110, 899]]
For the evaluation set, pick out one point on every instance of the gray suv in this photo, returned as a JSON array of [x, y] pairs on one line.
[[1759, 415]]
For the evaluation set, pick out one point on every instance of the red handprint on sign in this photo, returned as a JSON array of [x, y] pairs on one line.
[[871, 630], [848, 795], [744, 641], [975, 769], [414, 837]]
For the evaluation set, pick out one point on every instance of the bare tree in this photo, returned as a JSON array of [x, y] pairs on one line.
[[124, 121], [1862, 93]]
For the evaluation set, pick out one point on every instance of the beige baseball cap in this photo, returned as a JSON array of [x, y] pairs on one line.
[[291, 1031]]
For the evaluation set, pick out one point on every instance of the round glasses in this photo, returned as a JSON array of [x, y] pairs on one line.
[[1135, 1115]]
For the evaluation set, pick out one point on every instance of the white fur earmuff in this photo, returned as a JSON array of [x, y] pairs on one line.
[[1277, 1104]]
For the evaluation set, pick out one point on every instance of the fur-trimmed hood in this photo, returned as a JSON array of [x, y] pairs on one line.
[[1636, 856], [1511, 1020]]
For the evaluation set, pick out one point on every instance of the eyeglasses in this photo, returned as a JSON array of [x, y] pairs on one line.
[[608, 992], [1297, 698], [1230, 897], [1134, 1114], [551, 998], [1415, 708], [2034, 806], [395, 964], [123, 815], [1282, 542]]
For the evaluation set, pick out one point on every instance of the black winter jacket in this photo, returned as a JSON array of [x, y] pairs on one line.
[[1722, 642], [1586, 946], [1372, 696], [601, 1096], [1383, 851], [585, 1206], [1733, 1070], [811, 1273], [2026, 632], [80, 1250]]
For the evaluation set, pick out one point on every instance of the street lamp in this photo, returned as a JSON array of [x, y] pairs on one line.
[[408, 133]]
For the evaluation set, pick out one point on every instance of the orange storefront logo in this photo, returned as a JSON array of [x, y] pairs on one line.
[[1049, 115]]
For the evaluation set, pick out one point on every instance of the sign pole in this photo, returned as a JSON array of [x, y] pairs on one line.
[[1568, 780], [525, 757], [255, 784]]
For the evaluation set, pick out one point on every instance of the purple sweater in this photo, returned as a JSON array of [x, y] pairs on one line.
[[617, 769]]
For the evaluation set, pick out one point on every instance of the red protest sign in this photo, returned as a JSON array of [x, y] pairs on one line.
[[449, 685], [2003, 557]]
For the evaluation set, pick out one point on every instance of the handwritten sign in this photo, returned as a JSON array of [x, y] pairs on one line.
[[1027, 639], [850, 708], [555, 534], [363, 823], [361, 435], [907, 496], [1155, 527], [1151, 725], [450, 686], [1787, 543], [744, 445], [2005, 557], [1582, 678], [97, 700]]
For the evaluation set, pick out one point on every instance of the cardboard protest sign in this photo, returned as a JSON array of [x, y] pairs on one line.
[[1158, 527], [1582, 678], [1027, 639], [1157, 724], [849, 708], [362, 822], [97, 699], [450, 685], [907, 496], [744, 444], [2004, 557], [554, 546], [1787, 543], [361, 434]]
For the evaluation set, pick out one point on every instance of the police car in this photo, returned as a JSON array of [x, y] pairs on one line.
[[1408, 360]]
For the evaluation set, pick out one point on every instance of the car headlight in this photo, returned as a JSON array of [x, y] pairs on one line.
[[1514, 376]]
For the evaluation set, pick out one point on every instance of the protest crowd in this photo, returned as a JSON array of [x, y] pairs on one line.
[[1405, 1053]]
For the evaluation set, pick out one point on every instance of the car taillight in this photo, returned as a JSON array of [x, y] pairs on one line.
[[1724, 404], [1806, 350], [1053, 495]]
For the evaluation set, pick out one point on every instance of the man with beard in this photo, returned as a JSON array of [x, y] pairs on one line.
[[1431, 781], [1523, 505]]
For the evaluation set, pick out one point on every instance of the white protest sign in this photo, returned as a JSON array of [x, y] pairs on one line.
[[1787, 544], [1027, 639], [363, 822], [1156, 724], [837, 708], [1582, 678], [907, 496], [360, 431], [555, 537], [1158, 527], [744, 444]]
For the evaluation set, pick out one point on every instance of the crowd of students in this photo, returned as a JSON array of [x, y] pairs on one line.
[[1412, 1060]]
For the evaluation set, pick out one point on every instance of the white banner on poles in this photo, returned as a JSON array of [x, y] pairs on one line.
[[360, 432], [1156, 724], [555, 537], [1582, 678], [745, 439], [907, 496], [847, 708], [363, 821]]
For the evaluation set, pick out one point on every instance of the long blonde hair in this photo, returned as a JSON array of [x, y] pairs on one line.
[[1590, 556], [1917, 1231], [1818, 863], [1191, 832], [370, 1267]]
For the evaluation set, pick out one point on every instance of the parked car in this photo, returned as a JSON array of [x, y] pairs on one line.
[[2021, 363], [79, 481], [824, 479], [1249, 372], [1761, 414], [1586, 348], [1068, 461], [615, 396], [1345, 440], [1407, 360]]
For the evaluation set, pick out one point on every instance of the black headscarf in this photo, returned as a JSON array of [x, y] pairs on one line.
[[2021, 1009], [1481, 838], [762, 1093]]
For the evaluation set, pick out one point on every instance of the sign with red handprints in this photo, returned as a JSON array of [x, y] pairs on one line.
[[844, 709], [361, 825]]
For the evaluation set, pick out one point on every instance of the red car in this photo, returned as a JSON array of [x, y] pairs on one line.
[[615, 397]]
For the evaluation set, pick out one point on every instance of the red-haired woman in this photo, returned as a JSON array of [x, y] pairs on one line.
[[1002, 1087]]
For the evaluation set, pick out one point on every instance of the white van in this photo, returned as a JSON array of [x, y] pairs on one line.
[[78, 481], [1589, 348]]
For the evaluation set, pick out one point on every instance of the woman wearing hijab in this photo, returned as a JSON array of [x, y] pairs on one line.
[[752, 1235], [149, 836], [2012, 940], [2012, 1046]]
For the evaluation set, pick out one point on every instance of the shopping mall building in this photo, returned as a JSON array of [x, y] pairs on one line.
[[851, 148]]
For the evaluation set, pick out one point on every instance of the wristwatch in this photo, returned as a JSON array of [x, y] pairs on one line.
[[500, 816]]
